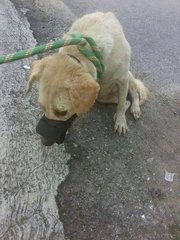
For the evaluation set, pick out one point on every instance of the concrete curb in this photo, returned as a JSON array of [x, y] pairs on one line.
[[29, 172]]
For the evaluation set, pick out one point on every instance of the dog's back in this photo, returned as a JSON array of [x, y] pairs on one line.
[[105, 29]]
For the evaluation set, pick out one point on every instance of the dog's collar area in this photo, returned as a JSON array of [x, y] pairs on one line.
[[75, 58], [79, 62]]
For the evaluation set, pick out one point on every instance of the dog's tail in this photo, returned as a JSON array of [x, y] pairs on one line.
[[142, 90]]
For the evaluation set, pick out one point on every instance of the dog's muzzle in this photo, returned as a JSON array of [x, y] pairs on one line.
[[53, 131]]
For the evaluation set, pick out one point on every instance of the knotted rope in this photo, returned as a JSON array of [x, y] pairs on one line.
[[82, 41]]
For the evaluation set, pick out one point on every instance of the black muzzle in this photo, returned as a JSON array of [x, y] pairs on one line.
[[53, 131]]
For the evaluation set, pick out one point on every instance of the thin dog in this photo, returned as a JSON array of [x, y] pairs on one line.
[[68, 80]]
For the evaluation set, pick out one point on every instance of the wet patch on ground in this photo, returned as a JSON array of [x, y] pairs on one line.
[[44, 23]]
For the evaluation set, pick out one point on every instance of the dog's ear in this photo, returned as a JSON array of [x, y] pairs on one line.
[[83, 92], [36, 70]]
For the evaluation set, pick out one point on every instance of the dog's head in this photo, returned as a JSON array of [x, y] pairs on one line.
[[65, 89]]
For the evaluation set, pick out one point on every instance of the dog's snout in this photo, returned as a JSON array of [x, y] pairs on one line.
[[47, 141]]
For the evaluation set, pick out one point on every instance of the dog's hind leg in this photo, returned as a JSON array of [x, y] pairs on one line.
[[133, 90], [139, 94]]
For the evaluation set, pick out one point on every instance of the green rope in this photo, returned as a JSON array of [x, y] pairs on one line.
[[86, 45]]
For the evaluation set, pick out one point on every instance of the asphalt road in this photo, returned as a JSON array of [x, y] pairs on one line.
[[115, 189]]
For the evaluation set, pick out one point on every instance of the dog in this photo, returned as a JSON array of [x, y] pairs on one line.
[[68, 80]]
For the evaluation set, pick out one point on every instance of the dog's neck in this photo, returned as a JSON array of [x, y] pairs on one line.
[[88, 66], [75, 58]]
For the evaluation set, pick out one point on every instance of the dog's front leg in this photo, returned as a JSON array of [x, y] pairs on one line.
[[119, 117]]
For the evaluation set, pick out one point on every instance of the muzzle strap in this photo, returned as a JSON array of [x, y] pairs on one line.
[[54, 129]]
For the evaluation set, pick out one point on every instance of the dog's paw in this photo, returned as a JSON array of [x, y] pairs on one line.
[[120, 124], [136, 111]]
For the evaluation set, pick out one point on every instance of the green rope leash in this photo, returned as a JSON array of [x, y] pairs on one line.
[[86, 45]]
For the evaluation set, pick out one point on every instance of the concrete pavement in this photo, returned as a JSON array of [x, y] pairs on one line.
[[29, 172]]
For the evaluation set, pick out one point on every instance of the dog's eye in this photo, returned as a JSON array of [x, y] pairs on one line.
[[60, 113]]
